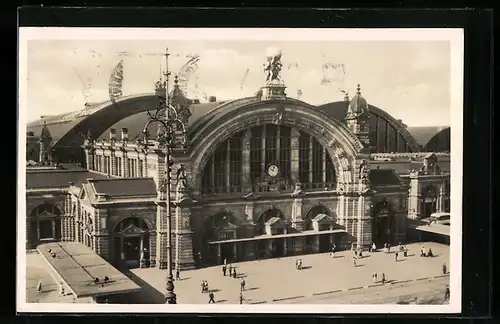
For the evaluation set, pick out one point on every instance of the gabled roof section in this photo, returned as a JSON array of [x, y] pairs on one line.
[[384, 177], [58, 179], [323, 218], [275, 221], [124, 187]]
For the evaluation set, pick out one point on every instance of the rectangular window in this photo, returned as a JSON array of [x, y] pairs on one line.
[[285, 153], [304, 152], [140, 168], [220, 169], [256, 154], [317, 171], [46, 231], [235, 165], [271, 144]]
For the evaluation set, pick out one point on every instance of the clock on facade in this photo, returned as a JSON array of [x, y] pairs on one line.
[[272, 170]]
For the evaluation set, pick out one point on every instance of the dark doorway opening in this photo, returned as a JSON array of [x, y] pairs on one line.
[[278, 248], [227, 252], [324, 243]]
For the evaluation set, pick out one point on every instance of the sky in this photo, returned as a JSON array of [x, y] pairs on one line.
[[408, 79]]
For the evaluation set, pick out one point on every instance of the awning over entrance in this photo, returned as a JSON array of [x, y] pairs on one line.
[[79, 266], [277, 236], [433, 228]]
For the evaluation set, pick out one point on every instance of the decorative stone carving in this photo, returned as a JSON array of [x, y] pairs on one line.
[[363, 170], [181, 176]]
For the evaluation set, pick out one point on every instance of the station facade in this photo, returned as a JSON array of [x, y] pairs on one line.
[[264, 176]]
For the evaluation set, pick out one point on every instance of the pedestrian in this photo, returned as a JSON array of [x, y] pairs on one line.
[[447, 292], [370, 248], [396, 256], [39, 287], [360, 253], [374, 277], [234, 273], [241, 298], [225, 261], [177, 274], [374, 247], [224, 270], [333, 250], [388, 248], [202, 286], [211, 298], [297, 264], [230, 269], [430, 254], [242, 284], [300, 264], [422, 252], [405, 251], [383, 278], [444, 268], [356, 253], [354, 261], [61, 289], [385, 247]]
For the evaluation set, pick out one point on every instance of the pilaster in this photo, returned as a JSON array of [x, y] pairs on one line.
[[247, 181], [101, 236], [297, 222], [414, 206], [184, 259]]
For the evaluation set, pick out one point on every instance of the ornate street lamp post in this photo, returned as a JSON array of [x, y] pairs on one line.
[[167, 116]]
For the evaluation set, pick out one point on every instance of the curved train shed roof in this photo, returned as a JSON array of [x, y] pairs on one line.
[[68, 130]]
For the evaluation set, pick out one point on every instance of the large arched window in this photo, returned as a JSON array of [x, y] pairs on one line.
[[306, 161], [45, 223]]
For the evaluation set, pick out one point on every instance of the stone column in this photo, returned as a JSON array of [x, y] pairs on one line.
[[101, 236], [152, 249], [161, 235], [414, 204], [297, 222], [184, 258], [294, 154], [441, 197]]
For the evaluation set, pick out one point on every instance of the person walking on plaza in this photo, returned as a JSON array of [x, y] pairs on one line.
[[211, 298], [241, 298], [374, 247], [383, 278], [224, 270], [225, 261], [405, 251], [234, 273], [333, 250], [299, 265], [388, 248], [447, 292], [354, 261], [177, 274], [396, 256], [374, 277], [430, 254], [39, 287], [230, 269], [242, 284], [422, 252], [202, 286], [444, 268], [61, 289]]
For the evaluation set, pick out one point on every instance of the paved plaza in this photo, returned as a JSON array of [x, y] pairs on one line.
[[37, 270], [277, 280]]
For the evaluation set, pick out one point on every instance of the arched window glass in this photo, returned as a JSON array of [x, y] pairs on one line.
[[269, 144], [45, 223]]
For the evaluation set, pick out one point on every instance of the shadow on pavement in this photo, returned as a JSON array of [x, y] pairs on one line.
[[305, 267], [147, 295], [253, 288], [221, 301], [359, 265], [213, 290], [182, 279]]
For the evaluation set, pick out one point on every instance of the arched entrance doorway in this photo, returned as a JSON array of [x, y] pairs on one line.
[[271, 222], [45, 224], [218, 228], [428, 201], [382, 223], [317, 243], [131, 242]]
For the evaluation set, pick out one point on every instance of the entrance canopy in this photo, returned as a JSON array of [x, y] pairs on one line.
[[78, 267], [439, 229], [277, 236]]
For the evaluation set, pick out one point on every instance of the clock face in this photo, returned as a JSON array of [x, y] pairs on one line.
[[273, 170]]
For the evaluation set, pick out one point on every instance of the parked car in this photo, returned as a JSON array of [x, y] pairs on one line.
[[438, 218]]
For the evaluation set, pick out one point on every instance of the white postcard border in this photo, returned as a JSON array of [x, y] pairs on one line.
[[454, 36]]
